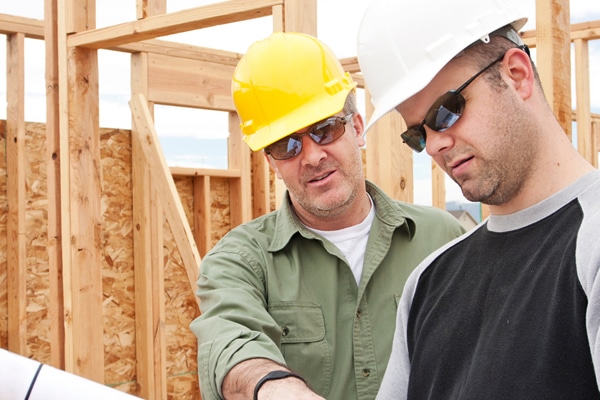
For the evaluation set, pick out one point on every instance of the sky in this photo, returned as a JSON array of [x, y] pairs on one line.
[[197, 138]]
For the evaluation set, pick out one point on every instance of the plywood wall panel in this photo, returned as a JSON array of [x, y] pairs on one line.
[[117, 261], [118, 296]]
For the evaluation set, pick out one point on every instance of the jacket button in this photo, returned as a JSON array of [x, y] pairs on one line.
[[366, 372], [285, 330]]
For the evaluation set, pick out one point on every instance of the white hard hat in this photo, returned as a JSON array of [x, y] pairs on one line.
[[403, 44]]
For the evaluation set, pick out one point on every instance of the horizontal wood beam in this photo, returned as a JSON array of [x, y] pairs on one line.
[[595, 117], [216, 173], [350, 64], [181, 50], [177, 22], [584, 30], [32, 28], [189, 83]]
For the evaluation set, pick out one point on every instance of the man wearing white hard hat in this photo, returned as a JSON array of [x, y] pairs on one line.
[[512, 309]]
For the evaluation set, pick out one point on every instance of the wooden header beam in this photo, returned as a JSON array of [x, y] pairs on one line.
[[585, 30], [32, 28], [174, 49], [177, 22], [218, 173]]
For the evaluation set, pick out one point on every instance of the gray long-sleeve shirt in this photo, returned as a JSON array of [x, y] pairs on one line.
[[509, 311]]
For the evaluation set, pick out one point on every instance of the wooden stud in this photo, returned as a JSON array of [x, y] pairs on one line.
[[240, 196], [63, 199], [596, 136], [485, 211], [389, 161], [300, 16], [53, 157], [553, 55], [261, 203], [202, 214], [438, 186], [148, 260], [85, 285], [148, 8], [80, 194], [585, 140], [278, 187], [16, 164]]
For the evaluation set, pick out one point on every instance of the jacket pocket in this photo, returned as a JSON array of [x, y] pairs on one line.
[[303, 341]]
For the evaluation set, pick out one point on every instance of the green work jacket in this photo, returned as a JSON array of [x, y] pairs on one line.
[[271, 288]]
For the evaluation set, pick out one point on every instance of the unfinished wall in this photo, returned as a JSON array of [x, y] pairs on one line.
[[117, 265]]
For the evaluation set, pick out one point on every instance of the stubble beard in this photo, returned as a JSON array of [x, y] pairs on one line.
[[505, 170], [497, 185], [328, 205], [337, 200]]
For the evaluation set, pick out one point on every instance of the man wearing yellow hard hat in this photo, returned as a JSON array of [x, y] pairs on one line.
[[300, 303]]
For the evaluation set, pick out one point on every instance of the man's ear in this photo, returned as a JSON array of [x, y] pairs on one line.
[[272, 164], [518, 69], [359, 127]]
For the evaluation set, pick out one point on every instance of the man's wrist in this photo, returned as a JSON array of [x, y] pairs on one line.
[[274, 375]]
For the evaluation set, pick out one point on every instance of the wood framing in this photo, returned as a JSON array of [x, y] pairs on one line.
[[101, 243], [165, 186]]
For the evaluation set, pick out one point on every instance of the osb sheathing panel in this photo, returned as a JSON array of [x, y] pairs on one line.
[[219, 208], [38, 324], [117, 270], [117, 277]]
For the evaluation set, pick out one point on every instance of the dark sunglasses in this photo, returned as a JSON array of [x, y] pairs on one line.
[[323, 132], [444, 113]]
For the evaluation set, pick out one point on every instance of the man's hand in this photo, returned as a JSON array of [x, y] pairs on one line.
[[241, 380], [287, 388]]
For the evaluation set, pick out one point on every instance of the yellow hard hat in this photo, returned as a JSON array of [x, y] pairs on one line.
[[284, 83]]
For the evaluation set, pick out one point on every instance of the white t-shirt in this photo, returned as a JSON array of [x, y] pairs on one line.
[[352, 242]]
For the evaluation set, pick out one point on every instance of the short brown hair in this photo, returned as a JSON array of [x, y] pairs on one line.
[[480, 54]]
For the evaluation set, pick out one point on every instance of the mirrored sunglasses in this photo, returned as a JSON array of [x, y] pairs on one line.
[[322, 133], [444, 113]]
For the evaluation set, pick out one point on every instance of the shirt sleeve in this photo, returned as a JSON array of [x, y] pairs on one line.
[[588, 265], [234, 324]]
